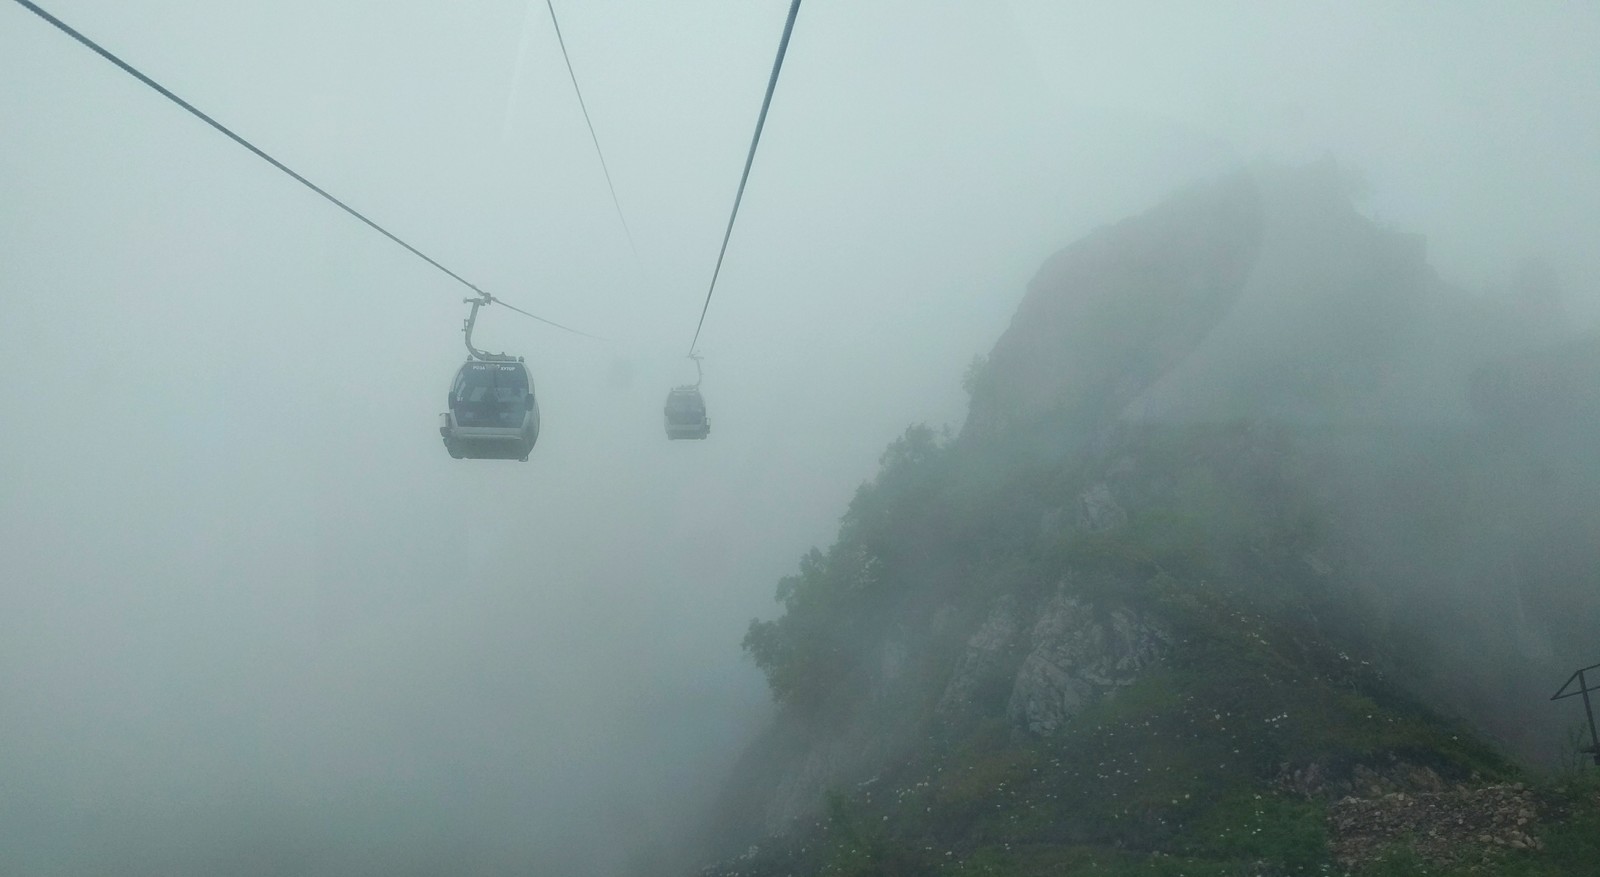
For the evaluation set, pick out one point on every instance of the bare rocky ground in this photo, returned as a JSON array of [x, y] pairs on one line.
[[1454, 827]]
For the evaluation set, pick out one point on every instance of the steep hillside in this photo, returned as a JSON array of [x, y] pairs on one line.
[[1248, 502]]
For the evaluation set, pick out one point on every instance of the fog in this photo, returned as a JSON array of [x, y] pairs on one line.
[[254, 620]]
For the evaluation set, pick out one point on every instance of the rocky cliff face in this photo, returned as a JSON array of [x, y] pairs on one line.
[[1076, 655], [1243, 485]]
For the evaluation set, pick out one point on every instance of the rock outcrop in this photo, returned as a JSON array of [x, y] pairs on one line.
[[1077, 654], [984, 660]]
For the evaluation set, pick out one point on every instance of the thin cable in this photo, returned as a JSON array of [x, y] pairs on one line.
[[761, 121], [194, 111], [505, 304], [550, 4]]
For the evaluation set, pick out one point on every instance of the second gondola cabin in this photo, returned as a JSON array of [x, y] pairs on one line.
[[685, 414]]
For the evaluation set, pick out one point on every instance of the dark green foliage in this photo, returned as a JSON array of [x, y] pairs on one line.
[[909, 533], [978, 376], [817, 640]]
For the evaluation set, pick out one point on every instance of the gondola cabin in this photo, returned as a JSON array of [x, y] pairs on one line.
[[493, 414], [686, 414]]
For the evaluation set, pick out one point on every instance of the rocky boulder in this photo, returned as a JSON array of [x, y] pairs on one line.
[[1076, 654]]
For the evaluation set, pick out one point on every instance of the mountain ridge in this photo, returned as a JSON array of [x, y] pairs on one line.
[[1222, 491]]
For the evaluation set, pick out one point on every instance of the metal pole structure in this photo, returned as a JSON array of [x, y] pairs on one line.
[[1594, 740], [1588, 707]]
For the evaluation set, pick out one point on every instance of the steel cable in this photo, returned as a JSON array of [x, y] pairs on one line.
[[261, 154], [550, 4], [761, 121]]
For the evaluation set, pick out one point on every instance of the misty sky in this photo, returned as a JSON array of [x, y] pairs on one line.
[[251, 612]]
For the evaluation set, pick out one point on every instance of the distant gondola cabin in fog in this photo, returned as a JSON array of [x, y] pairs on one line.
[[686, 414]]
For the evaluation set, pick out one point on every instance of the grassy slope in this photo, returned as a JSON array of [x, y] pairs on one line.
[[1179, 774]]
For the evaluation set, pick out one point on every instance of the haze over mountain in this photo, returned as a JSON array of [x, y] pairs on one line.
[[1250, 505], [253, 620]]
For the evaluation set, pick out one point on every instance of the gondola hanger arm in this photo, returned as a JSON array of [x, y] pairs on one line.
[[471, 322]]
